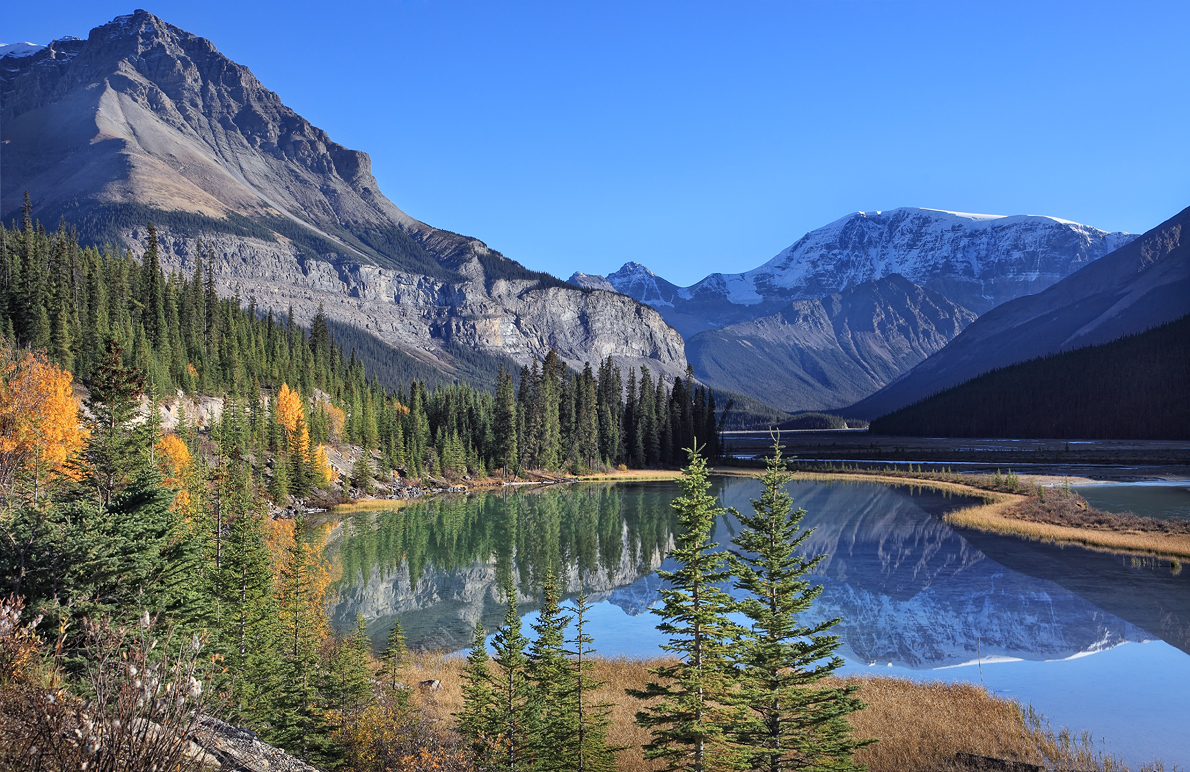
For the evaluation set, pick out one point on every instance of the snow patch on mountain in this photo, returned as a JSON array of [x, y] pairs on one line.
[[19, 49]]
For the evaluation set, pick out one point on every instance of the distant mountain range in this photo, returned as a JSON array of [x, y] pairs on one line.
[[1144, 284], [143, 121], [976, 260], [852, 306]]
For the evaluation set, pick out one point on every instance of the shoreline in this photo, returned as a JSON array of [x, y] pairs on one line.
[[994, 515]]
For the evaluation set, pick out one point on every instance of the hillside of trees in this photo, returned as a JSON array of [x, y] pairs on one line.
[[70, 301], [1130, 388]]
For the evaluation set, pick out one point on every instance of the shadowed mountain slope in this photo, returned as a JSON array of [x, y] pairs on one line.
[[1141, 285]]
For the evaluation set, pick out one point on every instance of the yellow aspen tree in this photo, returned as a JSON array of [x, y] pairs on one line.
[[324, 474], [40, 430]]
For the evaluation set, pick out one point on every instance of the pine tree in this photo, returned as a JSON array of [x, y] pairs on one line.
[[504, 425], [114, 452], [790, 723], [395, 656], [689, 722], [588, 749]]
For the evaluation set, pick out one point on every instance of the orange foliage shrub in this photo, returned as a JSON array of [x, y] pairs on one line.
[[173, 457], [40, 429], [336, 421]]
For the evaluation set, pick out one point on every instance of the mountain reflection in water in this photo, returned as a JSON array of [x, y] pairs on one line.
[[911, 591]]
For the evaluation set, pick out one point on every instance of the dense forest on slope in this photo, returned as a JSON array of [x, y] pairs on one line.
[[70, 301], [1131, 388]]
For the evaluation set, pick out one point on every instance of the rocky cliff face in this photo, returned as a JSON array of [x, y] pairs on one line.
[[144, 121], [827, 353]]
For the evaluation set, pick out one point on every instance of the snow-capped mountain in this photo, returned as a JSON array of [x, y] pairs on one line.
[[976, 260]]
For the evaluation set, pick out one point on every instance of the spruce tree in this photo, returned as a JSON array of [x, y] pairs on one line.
[[504, 425], [588, 750], [475, 720], [114, 452], [553, 680], [395, 656], [689, 721], [515, 708], [787, 721]]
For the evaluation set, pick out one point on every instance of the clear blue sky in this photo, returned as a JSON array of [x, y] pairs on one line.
[[695, 137]]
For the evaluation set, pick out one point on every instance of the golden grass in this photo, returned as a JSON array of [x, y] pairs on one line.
[[996, 515], [371, 505], [920, 726], [998, 519], [630, 475]]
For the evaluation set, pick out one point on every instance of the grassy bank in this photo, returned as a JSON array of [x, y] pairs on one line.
[[1017, 506], [920, 726]]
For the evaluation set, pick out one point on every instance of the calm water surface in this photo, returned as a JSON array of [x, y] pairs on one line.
[[1162, 499], [1091, 640]]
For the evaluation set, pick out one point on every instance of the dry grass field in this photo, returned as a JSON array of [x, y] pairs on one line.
[[921, 727]]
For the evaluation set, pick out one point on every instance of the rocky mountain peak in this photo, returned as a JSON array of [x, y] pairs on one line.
[[145, 121]]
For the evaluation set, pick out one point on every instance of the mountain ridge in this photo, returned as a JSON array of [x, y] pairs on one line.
[[975, 260], [822, 354], [143, 117]]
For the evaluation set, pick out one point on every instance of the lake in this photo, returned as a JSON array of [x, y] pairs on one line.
[[1093, 641], [1158, 498]]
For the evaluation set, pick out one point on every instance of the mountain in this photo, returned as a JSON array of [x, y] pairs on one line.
[[976, 260], [1131, 388], [1141, 285], [827, 353], [143, 121]]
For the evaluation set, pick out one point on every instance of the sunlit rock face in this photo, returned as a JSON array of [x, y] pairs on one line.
[[143, 121]]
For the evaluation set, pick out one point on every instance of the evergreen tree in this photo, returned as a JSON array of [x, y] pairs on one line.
[[114, 452], [553, 681], [787, 722], [689, 723], [504, 425], [515, 707], [588, 749], [475, 721], [395, 656]]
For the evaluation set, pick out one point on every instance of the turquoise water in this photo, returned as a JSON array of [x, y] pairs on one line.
[[1162, 500], [1091, 640]]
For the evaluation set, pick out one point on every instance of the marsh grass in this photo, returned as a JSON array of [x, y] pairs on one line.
[[920, 726]]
